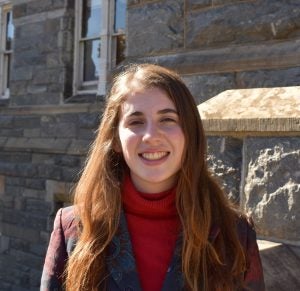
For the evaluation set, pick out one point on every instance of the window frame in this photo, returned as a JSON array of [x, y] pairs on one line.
[[107, 53], [5, 66]]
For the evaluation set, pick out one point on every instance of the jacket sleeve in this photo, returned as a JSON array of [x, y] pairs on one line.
[[253, 277], [56, 258]]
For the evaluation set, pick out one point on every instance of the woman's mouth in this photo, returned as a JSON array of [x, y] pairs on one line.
[[154, 156]]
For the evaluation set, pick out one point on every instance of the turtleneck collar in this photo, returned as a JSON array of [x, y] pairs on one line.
[[148, 205]]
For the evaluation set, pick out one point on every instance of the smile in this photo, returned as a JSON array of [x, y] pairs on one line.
[[154, 156]]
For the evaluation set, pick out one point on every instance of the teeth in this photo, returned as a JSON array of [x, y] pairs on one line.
[[154, 156]]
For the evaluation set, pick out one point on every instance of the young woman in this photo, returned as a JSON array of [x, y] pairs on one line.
[[147, 214]]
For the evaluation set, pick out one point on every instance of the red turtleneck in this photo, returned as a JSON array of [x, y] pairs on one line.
[[154, 225]]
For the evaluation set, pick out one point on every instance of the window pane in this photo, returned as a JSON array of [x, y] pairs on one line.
[[120, 15], [91, 18], [91, 60], [9, 30]]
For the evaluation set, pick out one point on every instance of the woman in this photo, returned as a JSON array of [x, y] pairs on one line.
[[147, 215]]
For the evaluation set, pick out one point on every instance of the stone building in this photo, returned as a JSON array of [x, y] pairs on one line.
[[56, 60]]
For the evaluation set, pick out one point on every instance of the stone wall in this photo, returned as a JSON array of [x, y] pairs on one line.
[[219, 45], [43, 52], [254, 149], [42, 152]]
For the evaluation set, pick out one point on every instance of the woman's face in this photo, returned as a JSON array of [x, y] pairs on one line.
[[151, 140]]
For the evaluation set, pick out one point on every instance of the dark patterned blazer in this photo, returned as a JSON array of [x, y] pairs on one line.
[[121, 263]]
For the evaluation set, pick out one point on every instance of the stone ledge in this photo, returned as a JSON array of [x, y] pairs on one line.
[[267, 126], [55, 109], [68, 146], [231, 59], [257, 110]]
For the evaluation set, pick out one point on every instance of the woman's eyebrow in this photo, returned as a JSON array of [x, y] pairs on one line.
[[162, 111], [136, 113], [167, 110]]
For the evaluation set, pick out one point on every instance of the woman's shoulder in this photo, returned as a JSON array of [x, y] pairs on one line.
[[67, 221], [245, 229]]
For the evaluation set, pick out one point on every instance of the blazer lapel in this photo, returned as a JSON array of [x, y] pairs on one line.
[[174, 278], [121, 264]]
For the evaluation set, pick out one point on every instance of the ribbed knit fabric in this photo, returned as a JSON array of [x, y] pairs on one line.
[[154, 225]]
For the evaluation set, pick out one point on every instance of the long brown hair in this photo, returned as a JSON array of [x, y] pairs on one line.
[[200, 201]]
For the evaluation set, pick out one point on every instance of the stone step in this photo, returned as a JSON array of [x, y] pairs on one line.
[[281, 263]]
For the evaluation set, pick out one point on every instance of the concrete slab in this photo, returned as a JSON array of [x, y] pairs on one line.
[[281, 263]]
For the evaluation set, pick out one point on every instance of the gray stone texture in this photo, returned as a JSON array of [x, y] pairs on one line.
[[205, 86], [37, 149], [245, 22], [225, 161], [155, 27], [272, 186], [43, 49]]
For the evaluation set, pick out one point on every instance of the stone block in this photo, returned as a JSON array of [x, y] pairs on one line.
[[79, 147], [19, 87], [198, 4], [8, 169], [52, 145], [3, 141], [225, 162], [32, 183], [272, 186], [47, 98], [89, 120], [32, 132], [33, 193], [36, 89], [4, 243], [226, 2], [21, 74], [6, 121], [47, 76], [247, 22], [204, 87], [268, 78], [30, 58], [2, 185], [67, 161], [59, 130], [34, 7], [247, 57], [26, 259], [12, 132], [132, 2], [27, 121], [57, 189], [71, 174], [19, 10], [156, 35], [87, 134], [25, 233], [50, 172], [15, 157]]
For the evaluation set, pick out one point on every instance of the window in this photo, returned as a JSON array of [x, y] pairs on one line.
[[99, 43], [6, 38]]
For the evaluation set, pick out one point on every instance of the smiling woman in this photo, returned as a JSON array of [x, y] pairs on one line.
[[147, 214], [151, 139]]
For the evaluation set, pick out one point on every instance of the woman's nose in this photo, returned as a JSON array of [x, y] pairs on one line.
[[152, 133]]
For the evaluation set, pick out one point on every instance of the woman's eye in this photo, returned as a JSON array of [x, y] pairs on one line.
[[168, 120], [135, 122]]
